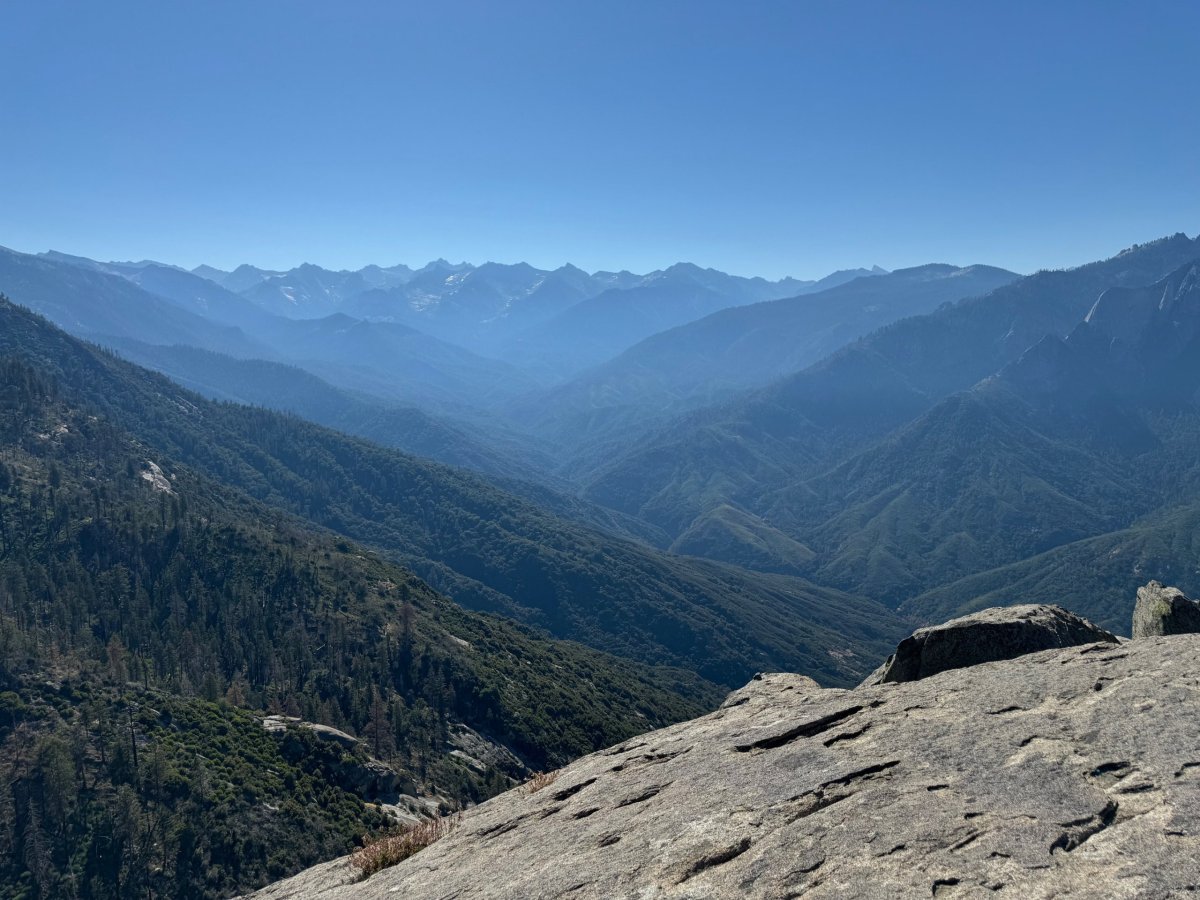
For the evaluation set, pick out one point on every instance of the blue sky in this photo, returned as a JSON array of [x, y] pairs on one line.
[[758, 137]]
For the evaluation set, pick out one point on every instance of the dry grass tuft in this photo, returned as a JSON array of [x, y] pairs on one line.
[[540, 780], [385, 852]]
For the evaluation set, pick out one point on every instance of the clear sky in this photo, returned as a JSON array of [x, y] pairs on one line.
[[773, 138]]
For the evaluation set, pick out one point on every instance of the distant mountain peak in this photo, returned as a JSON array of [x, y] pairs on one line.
[[442, 264], [491, 266], [842, 276], [930, 268], [1135, 346], [1177, 238], [687, 268], [1127, 314], [211, 273]]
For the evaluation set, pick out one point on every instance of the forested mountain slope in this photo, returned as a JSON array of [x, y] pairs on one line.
[[506, 461], [749, 450], [1076, 438], [486, 548], [287, 388], [93, 303], [1098, 574], [147, 610]]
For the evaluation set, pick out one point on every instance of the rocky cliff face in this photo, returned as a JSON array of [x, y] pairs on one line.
[[1071, 772]]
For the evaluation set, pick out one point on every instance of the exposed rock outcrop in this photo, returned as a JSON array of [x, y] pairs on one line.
[[1070, 772], [990, 635], [1164, 610], [346, 762], [280, 724], [482, 753]]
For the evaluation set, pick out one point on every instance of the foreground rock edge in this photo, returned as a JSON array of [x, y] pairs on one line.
[[1068, 773]]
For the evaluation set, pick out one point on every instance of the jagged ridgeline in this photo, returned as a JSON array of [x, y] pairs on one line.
[[148, 611]]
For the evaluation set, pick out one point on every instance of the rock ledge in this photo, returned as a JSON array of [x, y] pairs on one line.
[[1063, 773]]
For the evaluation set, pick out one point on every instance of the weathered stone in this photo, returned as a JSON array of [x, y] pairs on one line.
[[1004, 632], [482, 753], [1164, 610], [280, 724], [1068, 773]]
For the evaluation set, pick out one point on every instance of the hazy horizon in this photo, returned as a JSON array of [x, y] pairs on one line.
[[777, 140]]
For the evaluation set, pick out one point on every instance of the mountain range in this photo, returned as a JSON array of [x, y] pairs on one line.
[[491, 292], [720, 355], [593, 502], [563, 319], [945, 444], [868, 470]]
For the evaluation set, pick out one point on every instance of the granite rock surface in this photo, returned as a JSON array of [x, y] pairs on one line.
[[1164, 610], [989, 635], [1071, 772]]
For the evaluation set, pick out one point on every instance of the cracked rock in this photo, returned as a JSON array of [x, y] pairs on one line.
[[1012, 778]]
